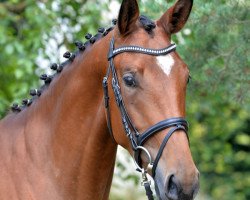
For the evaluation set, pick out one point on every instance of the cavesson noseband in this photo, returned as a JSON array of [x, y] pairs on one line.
[[136, 139]]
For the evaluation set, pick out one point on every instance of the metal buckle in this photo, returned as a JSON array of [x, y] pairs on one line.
[[144, 178]]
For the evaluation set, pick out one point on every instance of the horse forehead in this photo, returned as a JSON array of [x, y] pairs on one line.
[[166, 63]]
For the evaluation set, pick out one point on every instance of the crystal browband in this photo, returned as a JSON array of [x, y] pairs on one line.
[[137, 49]]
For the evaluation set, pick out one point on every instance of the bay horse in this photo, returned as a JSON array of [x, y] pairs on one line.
[[62, 143]]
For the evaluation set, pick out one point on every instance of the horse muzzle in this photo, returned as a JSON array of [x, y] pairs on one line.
[[175, 187]]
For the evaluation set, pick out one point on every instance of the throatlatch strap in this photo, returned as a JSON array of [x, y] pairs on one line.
[[106, 103]]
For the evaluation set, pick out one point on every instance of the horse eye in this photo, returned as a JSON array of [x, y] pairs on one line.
[[129, 80]]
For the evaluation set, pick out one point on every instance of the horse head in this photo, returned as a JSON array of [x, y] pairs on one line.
[[144, 82], [149, 81]]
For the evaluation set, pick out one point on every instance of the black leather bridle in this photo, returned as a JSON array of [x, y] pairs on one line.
[[137, 140]]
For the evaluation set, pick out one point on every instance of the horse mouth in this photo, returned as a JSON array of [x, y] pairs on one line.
[[184, 197]]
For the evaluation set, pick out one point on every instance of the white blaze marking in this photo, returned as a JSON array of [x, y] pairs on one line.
[[166, 63]]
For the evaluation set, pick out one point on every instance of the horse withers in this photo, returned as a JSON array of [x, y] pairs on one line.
[[62, 143]]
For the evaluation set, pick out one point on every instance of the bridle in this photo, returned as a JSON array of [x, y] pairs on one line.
[[137, 140]]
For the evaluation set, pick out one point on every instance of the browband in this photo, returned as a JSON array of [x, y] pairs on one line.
[[136, 49]]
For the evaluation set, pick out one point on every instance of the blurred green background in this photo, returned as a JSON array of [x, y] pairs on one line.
[[215, 44]]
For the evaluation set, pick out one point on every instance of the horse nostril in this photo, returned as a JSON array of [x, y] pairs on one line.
[[177, 189], [172, 188]]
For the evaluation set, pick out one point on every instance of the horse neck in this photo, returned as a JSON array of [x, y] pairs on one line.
[[67, 128]]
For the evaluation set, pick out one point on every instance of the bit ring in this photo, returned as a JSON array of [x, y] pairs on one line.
[[148, 155]]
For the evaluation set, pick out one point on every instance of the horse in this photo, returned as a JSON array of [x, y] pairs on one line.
[[125, 86]]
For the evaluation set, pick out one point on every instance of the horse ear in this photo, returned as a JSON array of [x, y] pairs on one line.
[[128, 15], [176, 17]]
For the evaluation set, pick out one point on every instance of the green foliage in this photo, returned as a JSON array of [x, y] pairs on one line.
[[17, 62], [27, 28], [216, 50], [220, 66]]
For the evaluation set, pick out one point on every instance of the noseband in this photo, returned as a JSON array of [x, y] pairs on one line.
[[137, 140]]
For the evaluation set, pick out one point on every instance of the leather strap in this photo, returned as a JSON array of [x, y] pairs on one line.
[[177, 123], [159, 127], [148, 190], [136, 49], [163, 144], [106, 104]]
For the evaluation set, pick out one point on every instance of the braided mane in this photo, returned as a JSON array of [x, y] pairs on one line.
[[146, 23], [58, 68]]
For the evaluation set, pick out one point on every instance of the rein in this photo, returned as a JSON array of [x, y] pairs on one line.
[[137, 140]]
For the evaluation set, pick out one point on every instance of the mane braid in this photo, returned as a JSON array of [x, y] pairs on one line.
[[35, 93]]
